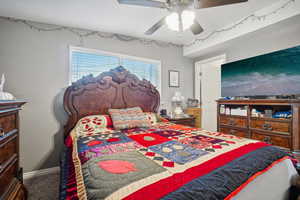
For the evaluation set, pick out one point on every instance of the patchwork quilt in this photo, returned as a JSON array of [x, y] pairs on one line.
[[165, 161]]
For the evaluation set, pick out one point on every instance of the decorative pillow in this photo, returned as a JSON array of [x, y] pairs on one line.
[[93, 124], [129, 118], [152, 117]]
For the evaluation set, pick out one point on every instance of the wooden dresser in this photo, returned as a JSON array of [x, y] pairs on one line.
[[195, 112], [11, 186], [282, 132]]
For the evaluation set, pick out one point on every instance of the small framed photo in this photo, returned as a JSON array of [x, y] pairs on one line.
[[173, 78]]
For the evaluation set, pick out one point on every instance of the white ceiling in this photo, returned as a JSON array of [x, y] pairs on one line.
[[109, 16]]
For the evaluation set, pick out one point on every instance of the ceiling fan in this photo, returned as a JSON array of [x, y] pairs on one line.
[[182, 17]]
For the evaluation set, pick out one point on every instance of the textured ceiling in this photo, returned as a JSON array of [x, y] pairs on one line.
[[109, 16]]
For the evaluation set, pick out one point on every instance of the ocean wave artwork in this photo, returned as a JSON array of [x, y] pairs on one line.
[[277, 73]]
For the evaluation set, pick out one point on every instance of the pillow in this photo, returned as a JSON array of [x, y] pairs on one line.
[[129, 118], [152, 117], [93, 124]]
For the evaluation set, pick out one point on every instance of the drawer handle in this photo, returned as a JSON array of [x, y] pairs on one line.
[[231, 122], [232, 132], [267, 139], [267, 127], [2, 131]]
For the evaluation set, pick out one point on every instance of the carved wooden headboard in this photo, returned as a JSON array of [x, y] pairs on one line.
[[117, 88]]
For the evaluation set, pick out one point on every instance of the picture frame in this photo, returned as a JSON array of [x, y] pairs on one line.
[[174, 78]]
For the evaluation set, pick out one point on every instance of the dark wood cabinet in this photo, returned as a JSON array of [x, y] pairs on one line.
[[11, 186], [188, 121], [282, 132]]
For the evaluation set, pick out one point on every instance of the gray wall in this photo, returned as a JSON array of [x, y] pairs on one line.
[[36, 68]]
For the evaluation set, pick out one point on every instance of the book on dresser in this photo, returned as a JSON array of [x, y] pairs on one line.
[[273, 121], [11, 177]]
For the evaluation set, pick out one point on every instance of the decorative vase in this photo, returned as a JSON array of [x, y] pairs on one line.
[[5, 95]]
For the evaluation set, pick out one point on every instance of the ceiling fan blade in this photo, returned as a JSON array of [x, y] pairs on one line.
[[196, 28], [214, 3], [146, 3], [156, 26]]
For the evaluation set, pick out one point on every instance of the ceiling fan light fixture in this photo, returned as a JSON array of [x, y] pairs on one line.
[[172, 21], [188, 18], [182, 17]]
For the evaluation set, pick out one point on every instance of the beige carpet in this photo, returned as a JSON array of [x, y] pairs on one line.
[[43, 187]]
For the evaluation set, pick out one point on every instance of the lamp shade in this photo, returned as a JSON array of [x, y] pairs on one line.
[[187, 18], [172, 21]]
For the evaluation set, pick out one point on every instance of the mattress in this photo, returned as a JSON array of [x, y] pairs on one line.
[[168, 161]]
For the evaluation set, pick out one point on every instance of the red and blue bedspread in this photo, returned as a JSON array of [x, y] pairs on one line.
[[165, 161]]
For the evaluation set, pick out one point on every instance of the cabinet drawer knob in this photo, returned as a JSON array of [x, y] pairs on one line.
[[231, 122], [2, 131], [267, 127], [232, 132], [267, 139]]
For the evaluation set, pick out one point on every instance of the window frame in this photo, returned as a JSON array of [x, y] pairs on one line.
[[121, 56]]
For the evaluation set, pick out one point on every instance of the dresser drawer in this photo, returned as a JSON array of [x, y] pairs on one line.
[[7, 123], [233, 121], [8, 149], [276, 126], [19, 192], [236, 132], [7, 176], [273, 140]]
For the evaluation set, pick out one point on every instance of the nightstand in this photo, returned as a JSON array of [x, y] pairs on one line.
[[188, 121], [195, 112]]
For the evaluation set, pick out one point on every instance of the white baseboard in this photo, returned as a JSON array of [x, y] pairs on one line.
[[41, 172]]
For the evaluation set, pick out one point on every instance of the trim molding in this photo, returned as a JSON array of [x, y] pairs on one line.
[[208, 60], [29, 175]]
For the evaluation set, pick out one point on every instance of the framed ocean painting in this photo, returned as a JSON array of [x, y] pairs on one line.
[[272, 74]]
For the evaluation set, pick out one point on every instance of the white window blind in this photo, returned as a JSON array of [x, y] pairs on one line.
[[85, 61]]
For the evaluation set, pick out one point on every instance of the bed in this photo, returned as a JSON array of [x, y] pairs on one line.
[[163, 160]]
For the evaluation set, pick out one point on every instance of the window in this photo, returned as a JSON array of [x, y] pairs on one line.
[[87, 61]]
